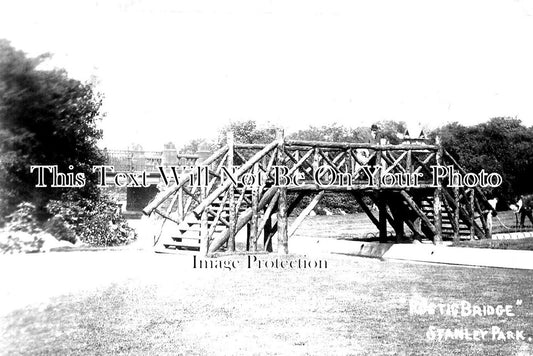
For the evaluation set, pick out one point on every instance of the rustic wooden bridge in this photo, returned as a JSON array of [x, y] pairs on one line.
[[207, 216]]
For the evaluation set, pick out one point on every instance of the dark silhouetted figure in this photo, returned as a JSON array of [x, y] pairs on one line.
[[525, 207]]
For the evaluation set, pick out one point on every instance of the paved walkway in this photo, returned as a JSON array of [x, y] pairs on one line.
[[421, 252]]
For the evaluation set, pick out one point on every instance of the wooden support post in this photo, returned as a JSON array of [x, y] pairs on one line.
[[267, 240], [418, 211], [379, 167], [204, 235], [248, 235], [437, 198], [283, 237], [414, 226], [456, 215], [316, 158], [482, 218], [252, 239], [397, 219], [366, 209], [472, 213], [437, 215], [267, 216], [351, 160], [488, 226], [409, 161], [171, 205], [400, 231], [305, 213], [231, 196], [382, 207], [180, 210]]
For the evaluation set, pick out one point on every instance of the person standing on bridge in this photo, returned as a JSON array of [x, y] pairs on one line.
[[363, 154], [375, 134]]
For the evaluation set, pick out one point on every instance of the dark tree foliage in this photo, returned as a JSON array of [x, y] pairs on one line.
[[339, 133], [501, 145], [247, 131], [330, 133], [390, 130], [195, 145], [46, 118]]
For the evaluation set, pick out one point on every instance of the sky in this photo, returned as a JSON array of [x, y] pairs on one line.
[[172, 71]]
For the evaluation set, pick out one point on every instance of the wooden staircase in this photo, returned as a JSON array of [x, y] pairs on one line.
[[426, 205], [188, 234]]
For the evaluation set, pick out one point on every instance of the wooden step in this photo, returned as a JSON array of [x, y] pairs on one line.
[[167, 248], [176, 250], [215, 208], [218, 228], [186, 241]]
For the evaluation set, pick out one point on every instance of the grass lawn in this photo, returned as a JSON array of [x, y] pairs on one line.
[[127, 302]]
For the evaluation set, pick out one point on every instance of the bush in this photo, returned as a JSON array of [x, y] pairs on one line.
[[60, 229], [23, 219], [22, 231], [95, 223]]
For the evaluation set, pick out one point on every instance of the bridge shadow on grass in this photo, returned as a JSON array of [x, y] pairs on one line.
[[357, 226], [355, 306]]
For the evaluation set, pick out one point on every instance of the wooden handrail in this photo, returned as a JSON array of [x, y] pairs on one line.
[[160, 198], [345, 145], [255, 158]]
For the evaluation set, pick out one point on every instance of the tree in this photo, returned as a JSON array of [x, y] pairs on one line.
[[338, 133], [195, 145], [330, 133], [247, 132], [501, 145], [46, 118], [390, 130]]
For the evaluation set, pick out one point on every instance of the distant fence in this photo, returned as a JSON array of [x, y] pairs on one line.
[[134, 161]]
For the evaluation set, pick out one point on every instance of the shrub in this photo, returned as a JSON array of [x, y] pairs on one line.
[[23, 219], [21, 233], [95, 223], [60, 229]]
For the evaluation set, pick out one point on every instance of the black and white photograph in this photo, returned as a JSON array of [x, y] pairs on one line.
[[266, 177]]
